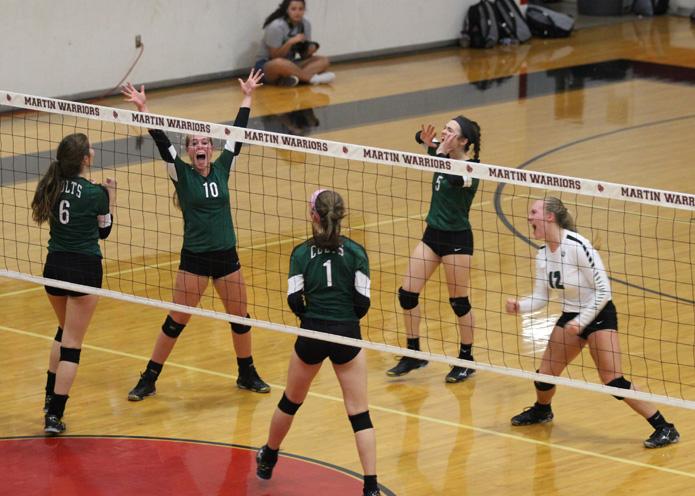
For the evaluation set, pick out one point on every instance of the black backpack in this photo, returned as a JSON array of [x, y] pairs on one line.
[[480, 26], [547, 23], [511, 21], [650, 7]]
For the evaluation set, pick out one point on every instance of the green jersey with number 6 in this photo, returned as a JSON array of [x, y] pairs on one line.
[[329, 278], [73, 222]]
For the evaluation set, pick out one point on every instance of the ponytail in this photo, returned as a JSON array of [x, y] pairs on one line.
[[46, 194], [564, 219], [71, 153], [327, 210]]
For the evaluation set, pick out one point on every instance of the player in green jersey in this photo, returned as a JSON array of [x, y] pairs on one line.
[[448, 240], [329, 290], [79, 214], [209, 242]]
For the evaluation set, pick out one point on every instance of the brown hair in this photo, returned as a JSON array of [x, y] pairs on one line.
[[71, 153], [330, 208], [471, 131], [555, 206]]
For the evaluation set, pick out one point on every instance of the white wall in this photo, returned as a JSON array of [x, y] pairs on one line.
[[83, 47]]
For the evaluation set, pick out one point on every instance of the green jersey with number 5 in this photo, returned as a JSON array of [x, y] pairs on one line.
[[329, 278], [74, 224], [450, 203]]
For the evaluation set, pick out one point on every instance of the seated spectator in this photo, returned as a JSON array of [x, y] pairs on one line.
[[287, 55]]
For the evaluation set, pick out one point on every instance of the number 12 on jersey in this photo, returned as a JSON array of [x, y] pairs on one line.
[[555, 280]]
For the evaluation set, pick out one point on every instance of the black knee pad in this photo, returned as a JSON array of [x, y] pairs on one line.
[[70, 354], [240, 328], [543, 386], [360, 421], [407, 299], [59, 334], [172, 328], [622, 383], [461, 305], [287, 406]]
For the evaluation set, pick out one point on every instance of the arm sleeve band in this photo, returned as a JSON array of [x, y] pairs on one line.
[[296, 303], [166, 150]]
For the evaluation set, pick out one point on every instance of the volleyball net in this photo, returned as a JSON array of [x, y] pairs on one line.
[[645, 237]]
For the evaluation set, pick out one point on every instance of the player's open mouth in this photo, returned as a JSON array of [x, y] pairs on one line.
[[200, 156]]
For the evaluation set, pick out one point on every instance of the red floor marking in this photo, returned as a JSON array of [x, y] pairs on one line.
[[124, 466]]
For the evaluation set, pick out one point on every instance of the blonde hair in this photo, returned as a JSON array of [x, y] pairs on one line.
[[555, 206]]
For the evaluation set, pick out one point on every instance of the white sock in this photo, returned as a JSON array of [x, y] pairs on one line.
[[322, 78]]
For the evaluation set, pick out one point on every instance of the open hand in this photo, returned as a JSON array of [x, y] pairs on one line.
[[253, 82], [133, 95], [427, 134]]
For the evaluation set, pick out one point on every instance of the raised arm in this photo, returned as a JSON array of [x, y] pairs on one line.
[[166, 150], [242, 117]]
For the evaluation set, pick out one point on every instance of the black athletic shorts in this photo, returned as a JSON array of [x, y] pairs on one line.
[[260, 63], [213, 264], [606, 319], [72, 267], [313, 351], [448, 242]]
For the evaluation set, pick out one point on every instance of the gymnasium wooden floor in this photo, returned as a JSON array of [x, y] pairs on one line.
[[553, 106]]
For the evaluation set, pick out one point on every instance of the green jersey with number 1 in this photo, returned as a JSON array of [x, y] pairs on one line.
[[329, 278]]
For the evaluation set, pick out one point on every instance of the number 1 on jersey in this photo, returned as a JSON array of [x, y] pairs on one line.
[[329, 274]]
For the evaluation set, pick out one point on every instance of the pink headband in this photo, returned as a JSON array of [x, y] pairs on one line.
[[312, 203]]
